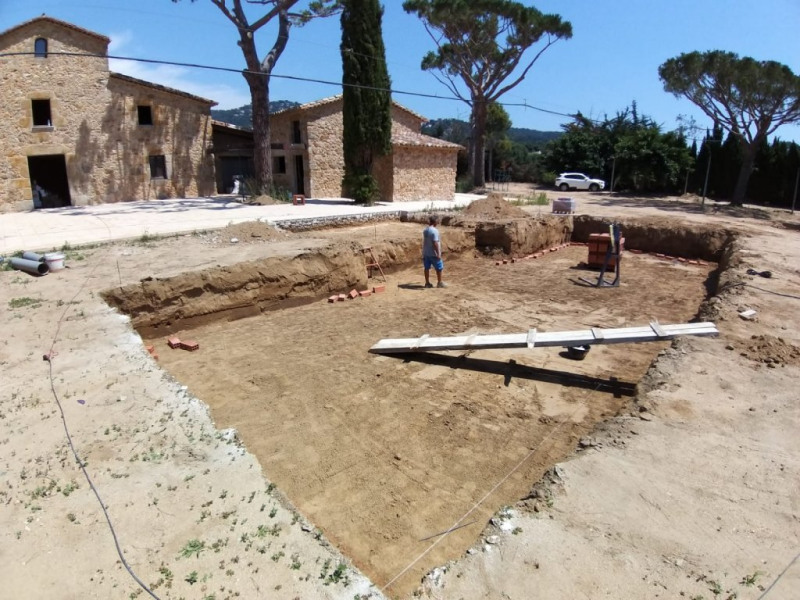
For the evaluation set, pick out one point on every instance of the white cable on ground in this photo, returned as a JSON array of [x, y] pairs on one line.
[[489, 493]]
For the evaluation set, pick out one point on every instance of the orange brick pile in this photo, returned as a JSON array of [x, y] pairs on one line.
[[598, 247], [378, 289]]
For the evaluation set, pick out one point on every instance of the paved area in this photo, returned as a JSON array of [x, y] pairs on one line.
[[51, 228]]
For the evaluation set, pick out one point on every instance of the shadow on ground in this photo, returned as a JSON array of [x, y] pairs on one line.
[[511, 369]]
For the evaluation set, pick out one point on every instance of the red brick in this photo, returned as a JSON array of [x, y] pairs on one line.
[[693, 262], [669, 257], [333, 299], [154, 355], [702, 263], [635, 251], [513, 260], [190, 345], [379, 289], [497, 263], [342, 297], [353, 294], [681, 259], [150, 349], [173, 342], [505, 262], [365, 294]]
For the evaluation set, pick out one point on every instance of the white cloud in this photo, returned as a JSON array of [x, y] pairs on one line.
[[193, 81]]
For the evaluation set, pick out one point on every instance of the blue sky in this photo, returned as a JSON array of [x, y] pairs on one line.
[[611, 60]]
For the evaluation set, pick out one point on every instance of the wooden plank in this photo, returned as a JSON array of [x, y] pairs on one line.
[[655, 326], [420, 341], [531, 338], [626, 335], [597, 333]]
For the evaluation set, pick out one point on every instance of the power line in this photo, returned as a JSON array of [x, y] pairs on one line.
[[152, 61]]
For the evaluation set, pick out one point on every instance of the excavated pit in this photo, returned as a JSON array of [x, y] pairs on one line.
[[382, 452]]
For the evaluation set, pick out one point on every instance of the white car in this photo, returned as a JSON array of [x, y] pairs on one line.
[[579, 181]]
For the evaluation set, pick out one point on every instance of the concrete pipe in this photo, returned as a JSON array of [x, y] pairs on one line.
[[33, 256], [30, 266]]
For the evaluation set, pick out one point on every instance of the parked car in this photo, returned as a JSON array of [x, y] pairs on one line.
[[579, 181]]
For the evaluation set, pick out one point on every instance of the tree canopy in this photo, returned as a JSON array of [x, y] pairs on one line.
[[482, 52], [367, 100], [748, 98], [641, 156], [257, 71]]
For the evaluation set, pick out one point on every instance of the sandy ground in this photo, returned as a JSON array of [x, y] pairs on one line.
[[700, 500], [380, 452]]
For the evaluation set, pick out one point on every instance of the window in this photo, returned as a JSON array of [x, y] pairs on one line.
[[275, 146], [158, 166], [145, 115], [279, 164], [41, 113], [40, 48], [296, 139]]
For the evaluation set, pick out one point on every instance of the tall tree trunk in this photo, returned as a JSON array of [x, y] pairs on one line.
[[748, 161], [489, 164], [262, 151], [478, 134]]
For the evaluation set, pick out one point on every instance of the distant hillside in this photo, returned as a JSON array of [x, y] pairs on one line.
[[532, 137], [243, 116], [456, 130]]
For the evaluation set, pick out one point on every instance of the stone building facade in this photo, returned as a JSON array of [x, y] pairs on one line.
[[86, 135], [308, 157]]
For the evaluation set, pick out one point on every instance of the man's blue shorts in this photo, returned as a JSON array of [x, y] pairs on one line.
[[432, 261]]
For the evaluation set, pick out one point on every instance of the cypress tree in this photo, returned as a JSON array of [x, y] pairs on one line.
[[367, 109]]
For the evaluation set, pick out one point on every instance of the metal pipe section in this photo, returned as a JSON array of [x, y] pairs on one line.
[[33, 256], [30, 266]]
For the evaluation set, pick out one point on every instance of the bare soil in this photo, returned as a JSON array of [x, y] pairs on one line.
[[493, 207], [249, 232], [383, 452], [690, 492]]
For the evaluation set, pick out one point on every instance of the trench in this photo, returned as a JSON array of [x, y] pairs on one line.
[[381, 452]]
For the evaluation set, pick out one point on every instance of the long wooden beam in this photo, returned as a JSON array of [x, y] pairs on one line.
[[538, 339]]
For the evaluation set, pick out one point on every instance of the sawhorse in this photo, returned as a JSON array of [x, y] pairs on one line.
[[372, 262]]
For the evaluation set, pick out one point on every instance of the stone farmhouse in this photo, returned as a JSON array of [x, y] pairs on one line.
[[308, 157], [75, 133]]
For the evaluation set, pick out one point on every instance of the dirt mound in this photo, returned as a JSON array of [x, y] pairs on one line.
[[771, 351], [249, 232], [494, 207]]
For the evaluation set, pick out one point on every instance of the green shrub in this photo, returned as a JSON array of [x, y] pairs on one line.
[[464, 185], [548, 178], [362, 188]]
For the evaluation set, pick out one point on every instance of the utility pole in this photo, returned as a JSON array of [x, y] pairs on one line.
[[686, 185], [796, 182], [613, 168]]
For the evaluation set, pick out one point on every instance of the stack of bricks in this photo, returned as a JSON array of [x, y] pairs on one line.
[[598, 247]]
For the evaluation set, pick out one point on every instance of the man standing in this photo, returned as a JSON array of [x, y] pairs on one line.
[[432, 252]]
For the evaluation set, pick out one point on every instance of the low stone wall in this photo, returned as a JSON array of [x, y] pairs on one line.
[[309, 223]]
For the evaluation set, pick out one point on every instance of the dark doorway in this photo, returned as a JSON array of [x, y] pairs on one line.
[[49, 180], [299, 175], [233, 167]]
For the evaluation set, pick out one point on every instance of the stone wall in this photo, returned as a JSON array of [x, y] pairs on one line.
[[422, 173], [325, 152], [406, 119], [93, 125]]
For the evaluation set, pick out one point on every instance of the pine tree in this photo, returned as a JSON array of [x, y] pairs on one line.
[[367, 100]]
